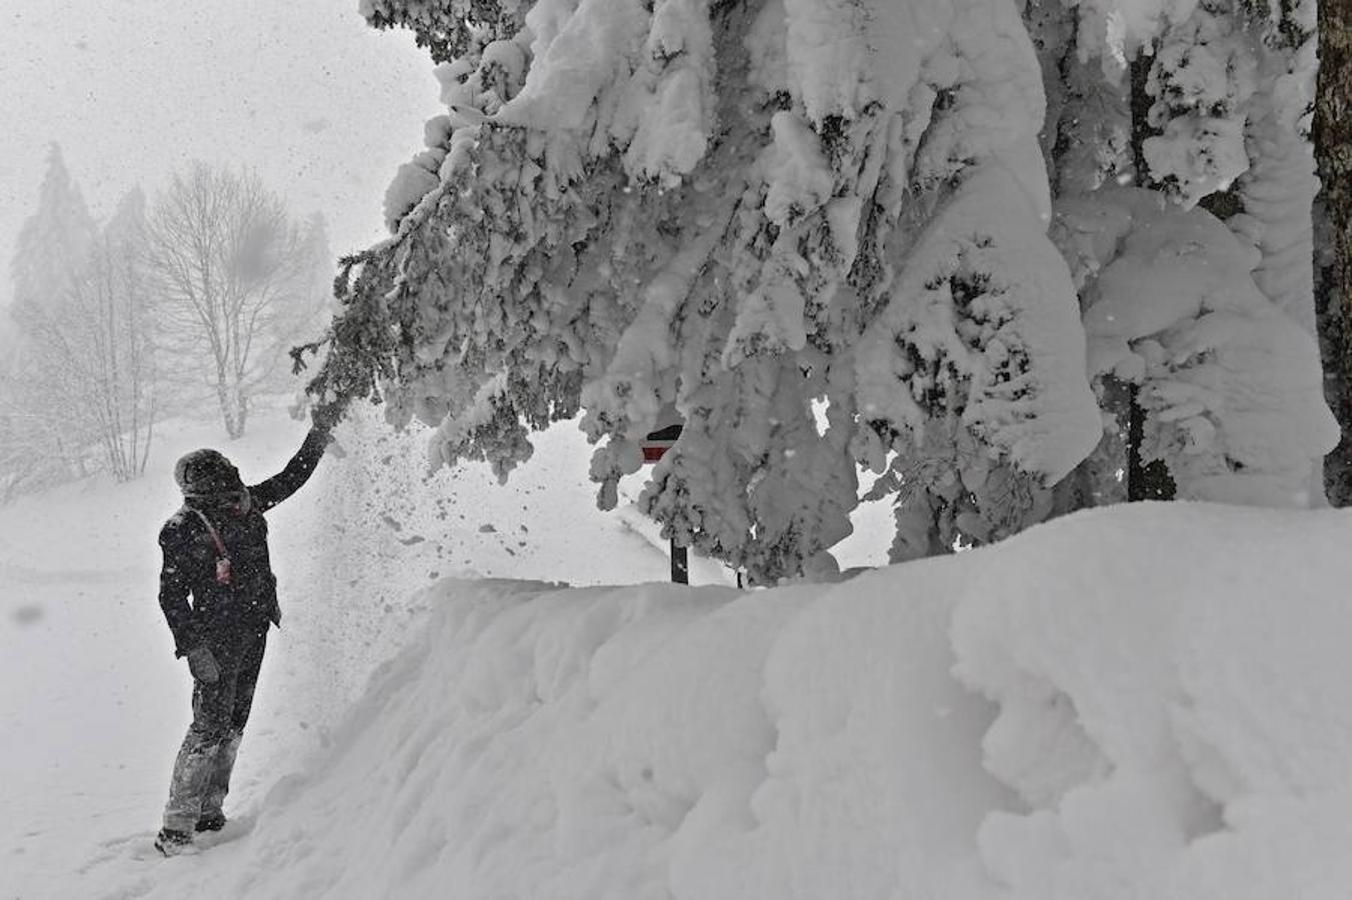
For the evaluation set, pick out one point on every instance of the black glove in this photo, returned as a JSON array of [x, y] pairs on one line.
[[326, 417], [202, 664]]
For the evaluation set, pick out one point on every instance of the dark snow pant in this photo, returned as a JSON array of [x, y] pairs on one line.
[[219, 712]]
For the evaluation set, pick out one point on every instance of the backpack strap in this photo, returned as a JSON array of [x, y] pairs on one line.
[[211, 530], [223, 575]]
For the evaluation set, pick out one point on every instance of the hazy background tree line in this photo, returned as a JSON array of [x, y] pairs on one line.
[[188, 298]]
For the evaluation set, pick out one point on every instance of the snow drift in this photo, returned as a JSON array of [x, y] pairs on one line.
[[1148, 701]]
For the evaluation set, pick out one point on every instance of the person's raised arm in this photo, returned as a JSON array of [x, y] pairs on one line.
[[267, 494]]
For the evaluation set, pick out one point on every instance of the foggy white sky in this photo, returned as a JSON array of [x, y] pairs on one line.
[[323, 107]]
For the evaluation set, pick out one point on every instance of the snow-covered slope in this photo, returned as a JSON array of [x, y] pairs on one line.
[[93, 703], [1145, 702]]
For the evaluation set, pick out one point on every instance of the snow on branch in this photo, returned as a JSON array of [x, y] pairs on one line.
[[1232, 388], [817, 229]]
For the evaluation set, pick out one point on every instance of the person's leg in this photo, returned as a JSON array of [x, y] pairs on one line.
[[212, 817], [212, 707], [218, 784]]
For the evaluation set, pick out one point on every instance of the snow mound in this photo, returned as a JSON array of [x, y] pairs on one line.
[[1150, 701], [1175, 711]]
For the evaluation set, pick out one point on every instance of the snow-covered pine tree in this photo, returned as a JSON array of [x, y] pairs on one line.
[[1230, 385], [817, 228], [1087, 138], [1227, 85], [83, 380], [55, 242], [1278, 188], [44, 434], [1087, 142]]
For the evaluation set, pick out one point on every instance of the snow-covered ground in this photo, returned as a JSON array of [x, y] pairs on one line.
[[93, 703], [1145, 702]]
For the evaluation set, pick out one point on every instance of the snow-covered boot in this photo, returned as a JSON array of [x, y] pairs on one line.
[[211, 821], [172, 843]]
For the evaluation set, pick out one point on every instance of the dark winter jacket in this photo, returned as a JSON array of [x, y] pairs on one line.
[[224, 615]]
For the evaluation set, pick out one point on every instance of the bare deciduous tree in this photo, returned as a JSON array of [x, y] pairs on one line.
[[229, 264], [114, 302], [76, 388]]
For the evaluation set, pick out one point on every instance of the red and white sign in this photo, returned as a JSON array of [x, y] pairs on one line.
[[661, 439]]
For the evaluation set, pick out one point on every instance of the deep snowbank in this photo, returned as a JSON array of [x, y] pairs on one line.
[[93, 703], [1170, 715]]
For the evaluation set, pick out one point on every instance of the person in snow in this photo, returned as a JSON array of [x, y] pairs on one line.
[[216, 550]]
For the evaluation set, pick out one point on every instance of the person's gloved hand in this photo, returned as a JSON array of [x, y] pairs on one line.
[[202, 664], [325, 417]]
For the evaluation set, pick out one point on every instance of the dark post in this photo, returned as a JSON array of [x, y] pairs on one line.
[[1145, 480], [680, 566]]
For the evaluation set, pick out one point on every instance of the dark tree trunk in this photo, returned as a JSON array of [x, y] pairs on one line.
[[1145, 480], [1140, 117], [1333, 232]]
